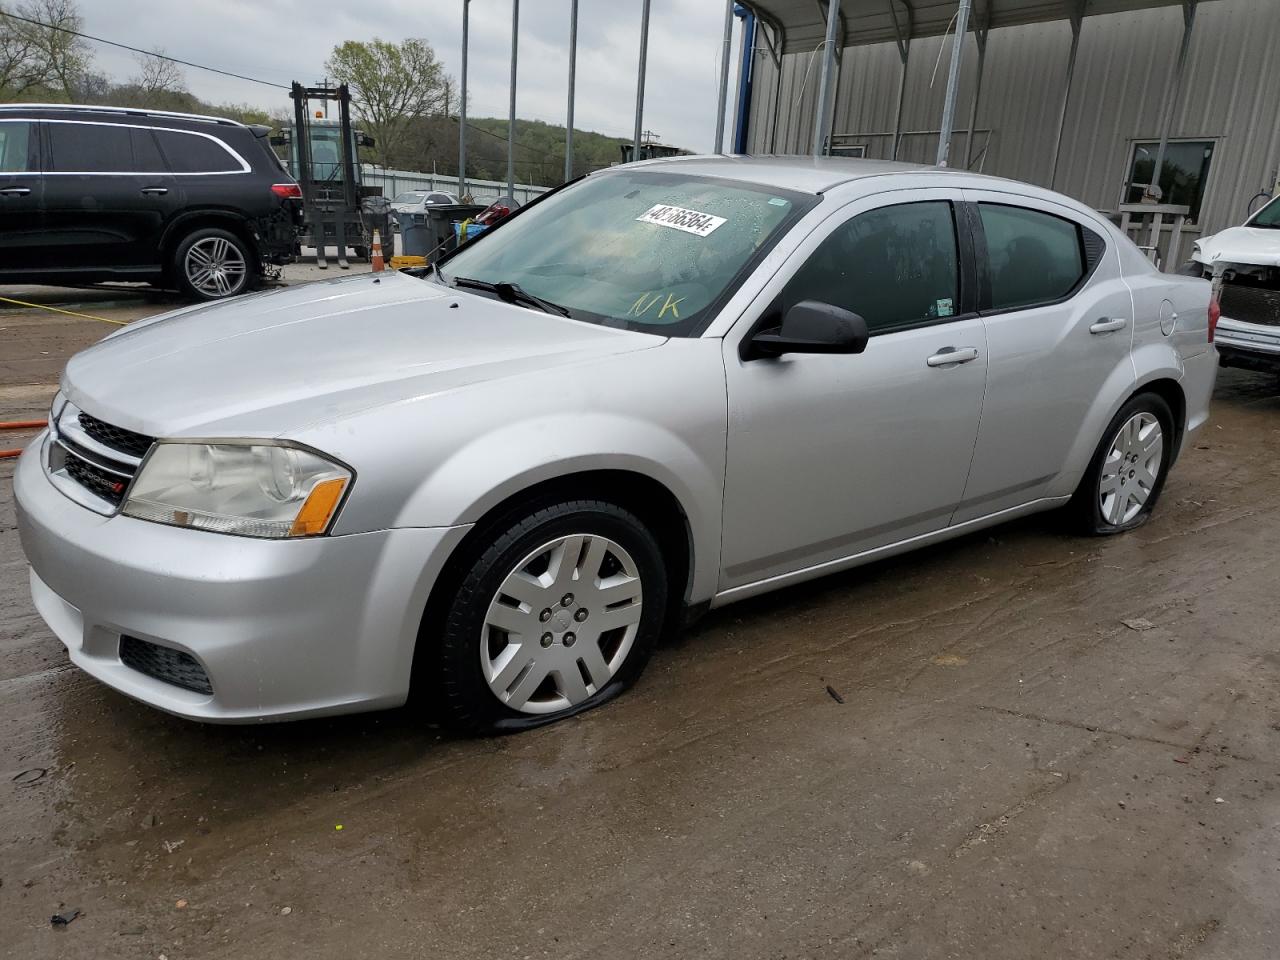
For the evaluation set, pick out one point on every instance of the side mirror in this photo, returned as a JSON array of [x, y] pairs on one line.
[[812, 327]]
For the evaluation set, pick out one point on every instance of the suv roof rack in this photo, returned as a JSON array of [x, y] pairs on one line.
[[124, 111]]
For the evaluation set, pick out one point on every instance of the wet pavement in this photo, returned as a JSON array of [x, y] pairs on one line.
[[1014, 772]]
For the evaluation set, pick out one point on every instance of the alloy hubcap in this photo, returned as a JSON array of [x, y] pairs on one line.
[[561, 624], [215, 267], [1130, 470]]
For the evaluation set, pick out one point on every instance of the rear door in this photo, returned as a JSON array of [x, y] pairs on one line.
[[20, 194], [1059, 322], [107, 196]]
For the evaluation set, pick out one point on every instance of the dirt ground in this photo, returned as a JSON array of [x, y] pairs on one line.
[[1013, 772]]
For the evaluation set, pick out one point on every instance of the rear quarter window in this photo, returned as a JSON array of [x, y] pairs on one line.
[[195, 153], [1033, 257]]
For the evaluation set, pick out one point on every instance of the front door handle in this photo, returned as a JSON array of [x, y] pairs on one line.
[[157, 191], [953, 356], [14, 191], [1108, 325]]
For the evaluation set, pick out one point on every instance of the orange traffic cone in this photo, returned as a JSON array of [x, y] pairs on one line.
[[378, 264]]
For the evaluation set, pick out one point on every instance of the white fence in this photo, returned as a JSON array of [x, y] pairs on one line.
[[393, 182]]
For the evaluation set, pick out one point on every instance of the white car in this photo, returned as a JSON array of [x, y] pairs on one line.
[[415, 201], [1245, 262]]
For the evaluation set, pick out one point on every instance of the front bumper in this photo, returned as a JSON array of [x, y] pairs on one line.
[[283, 629], [1253, 346]]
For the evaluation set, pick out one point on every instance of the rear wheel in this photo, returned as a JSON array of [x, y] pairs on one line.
[[558, 613], [212, 264], [1128, 469]]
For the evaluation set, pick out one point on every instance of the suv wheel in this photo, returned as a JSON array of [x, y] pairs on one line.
[[1128, 469], [558, 613], [212, 264]]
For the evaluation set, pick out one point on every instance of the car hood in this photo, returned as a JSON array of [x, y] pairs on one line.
[[1253, 245], [272, 363]]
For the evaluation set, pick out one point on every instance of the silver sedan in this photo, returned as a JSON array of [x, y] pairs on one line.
[[667, 387]]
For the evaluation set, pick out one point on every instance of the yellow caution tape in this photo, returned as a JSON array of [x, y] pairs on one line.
[[69, 313]]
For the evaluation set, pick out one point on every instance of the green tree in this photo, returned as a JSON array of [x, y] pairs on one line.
[[37, 52], [391, 86]]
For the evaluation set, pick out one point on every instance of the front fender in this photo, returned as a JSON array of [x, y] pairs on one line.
[[501, 463]]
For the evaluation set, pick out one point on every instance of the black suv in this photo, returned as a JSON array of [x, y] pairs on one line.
[[89, 194]]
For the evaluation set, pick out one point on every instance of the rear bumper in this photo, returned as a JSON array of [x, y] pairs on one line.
[[1200, 373], [282, 629]]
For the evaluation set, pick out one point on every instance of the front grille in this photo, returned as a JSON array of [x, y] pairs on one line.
[[1250, 304], [164, 664], [93, 478], [118, 438]]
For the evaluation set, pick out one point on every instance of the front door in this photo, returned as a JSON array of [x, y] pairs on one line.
[[20, 192], [1059, 320], [832, 456], [107, 196]]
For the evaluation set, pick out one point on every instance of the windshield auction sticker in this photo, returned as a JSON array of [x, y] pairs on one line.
[[680, 218]]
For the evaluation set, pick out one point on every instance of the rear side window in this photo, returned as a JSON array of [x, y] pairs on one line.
[[895, 267], [146, 155], [194, 153], [1034, 257], [89, 148], [16, 141]]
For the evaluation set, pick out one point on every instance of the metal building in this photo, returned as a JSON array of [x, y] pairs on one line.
[[1224, 128]]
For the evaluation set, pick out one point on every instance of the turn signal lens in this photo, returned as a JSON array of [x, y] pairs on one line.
[[313, 519]]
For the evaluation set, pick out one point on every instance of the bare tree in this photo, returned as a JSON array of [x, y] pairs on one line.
[[158, 75], [391, 85]]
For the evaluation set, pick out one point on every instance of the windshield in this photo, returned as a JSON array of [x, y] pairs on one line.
[[647, 251], [408, 198], [1268, 216]]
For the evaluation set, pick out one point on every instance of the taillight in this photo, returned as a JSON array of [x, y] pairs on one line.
[[287, 191], [1215, 313]]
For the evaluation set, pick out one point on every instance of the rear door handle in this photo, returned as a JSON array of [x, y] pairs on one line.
[[158, 191], [14, 191], [953, 356], [1106, 325]]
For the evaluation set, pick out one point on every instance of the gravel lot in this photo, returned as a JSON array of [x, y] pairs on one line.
[[1013, 773]]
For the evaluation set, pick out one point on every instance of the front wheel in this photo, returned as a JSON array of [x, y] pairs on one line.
[[213, 264], [1128, 469], [558, 613]]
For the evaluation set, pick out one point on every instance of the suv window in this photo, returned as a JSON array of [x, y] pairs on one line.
[[1034, 257], [895, 266], [195, 153], [146, 155], [15, 147], [89, 148]]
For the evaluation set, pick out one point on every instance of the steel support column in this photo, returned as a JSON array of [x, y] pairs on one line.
[[1171, 98], [822, 121], [462, 106], [1077, 16], [511, 110], [980, 37], [953, 84], [722, 104], [644, 54], [904, 53], [573, 63]]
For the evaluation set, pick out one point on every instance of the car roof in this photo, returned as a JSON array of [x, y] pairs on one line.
[[102, 112], [803, 173]]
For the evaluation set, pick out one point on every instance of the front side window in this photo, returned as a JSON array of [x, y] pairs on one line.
[[89, 148], [15, 147], [1182, 174], [192, 153], [895, 267], [1033, 257], [636, 249]]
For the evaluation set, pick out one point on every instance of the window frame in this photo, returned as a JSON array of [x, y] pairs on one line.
[[1088, 257], [245, 167], [1127, 183]]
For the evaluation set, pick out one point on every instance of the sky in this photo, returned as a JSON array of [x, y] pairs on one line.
[[285, 40]]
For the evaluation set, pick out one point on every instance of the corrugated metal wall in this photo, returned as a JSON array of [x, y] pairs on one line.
[[1231, 94]]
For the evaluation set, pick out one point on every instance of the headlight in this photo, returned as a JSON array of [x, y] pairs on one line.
[[249, 489]]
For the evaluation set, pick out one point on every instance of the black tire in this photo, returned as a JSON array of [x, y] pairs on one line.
[[450, 663], [1086, 504], [241, 283]]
